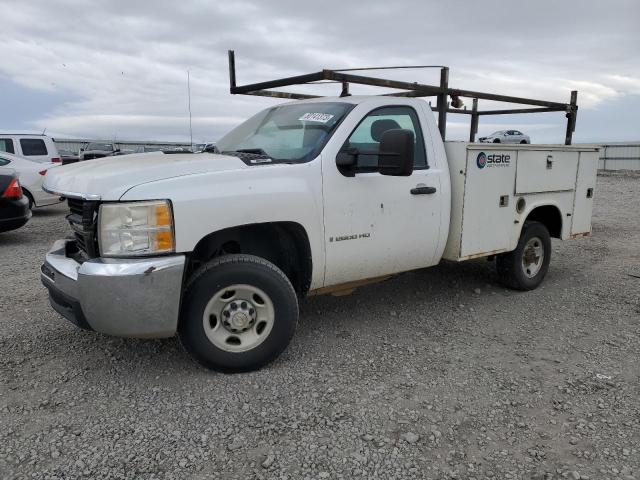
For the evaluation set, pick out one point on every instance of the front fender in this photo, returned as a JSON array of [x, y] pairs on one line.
[[210, 202]]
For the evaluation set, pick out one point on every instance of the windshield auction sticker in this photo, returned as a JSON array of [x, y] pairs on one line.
[[316, 117]]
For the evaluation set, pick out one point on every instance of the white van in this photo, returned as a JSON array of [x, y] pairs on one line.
[[36, 147]]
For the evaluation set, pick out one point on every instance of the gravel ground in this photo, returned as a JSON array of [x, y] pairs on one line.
[[439, 373]]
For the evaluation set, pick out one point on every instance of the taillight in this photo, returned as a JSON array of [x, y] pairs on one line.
[[56, 160], [42, 172], [13, 191]]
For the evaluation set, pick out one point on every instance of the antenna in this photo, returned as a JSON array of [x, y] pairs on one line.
[[45, 129], [189, 95]]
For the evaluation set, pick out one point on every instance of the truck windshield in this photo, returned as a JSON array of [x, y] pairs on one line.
[[287, 133]]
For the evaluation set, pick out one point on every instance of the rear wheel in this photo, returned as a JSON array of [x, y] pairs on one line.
[[523, 142], [239, 313], [527, 265]]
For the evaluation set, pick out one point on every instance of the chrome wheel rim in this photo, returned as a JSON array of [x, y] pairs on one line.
[[532, 257], [238, 318]]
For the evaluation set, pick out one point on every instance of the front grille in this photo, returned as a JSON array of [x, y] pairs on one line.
[[83, 219]]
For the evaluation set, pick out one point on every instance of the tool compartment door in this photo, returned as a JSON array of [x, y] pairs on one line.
[[583, 199], [486, 220], [546, 171]]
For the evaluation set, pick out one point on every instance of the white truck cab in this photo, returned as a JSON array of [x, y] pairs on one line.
[[33, 146], [314, 196]]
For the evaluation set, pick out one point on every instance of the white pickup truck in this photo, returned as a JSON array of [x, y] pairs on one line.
[[308, 197]]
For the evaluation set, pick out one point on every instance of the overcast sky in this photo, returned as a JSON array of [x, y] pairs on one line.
[[118, 69]]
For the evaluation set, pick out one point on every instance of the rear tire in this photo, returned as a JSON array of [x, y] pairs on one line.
[[524, 142], [239, 313], [527, 265]]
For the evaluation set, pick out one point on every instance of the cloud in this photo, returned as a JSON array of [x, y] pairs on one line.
[[121, 65]]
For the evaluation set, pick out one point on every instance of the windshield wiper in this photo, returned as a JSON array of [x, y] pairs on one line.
[[257, 151], [249, 153]]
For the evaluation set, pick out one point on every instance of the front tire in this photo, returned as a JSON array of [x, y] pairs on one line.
[[239, 313], [497, 140], [527, 265]]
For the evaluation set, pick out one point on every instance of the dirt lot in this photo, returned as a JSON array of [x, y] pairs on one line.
[[440, 373]]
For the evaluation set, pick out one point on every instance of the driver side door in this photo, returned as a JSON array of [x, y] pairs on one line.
[[375, 224]]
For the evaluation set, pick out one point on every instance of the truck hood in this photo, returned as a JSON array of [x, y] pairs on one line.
[[110, 177]]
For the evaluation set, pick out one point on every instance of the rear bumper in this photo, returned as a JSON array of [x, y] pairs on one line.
[[14, 213], [121, 297], [8, 224]]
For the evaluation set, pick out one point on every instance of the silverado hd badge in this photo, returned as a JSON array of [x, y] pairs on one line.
[[342, 238], [494, 160]]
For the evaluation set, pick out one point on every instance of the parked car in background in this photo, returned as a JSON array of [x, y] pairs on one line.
[[506, 136], [31, 175], [203, 147], [177, 150], [36, 147], [146, 149], [127, 151], [68, 157], [14, 206], [98, 150]]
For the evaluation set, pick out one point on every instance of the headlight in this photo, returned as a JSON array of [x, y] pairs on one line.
[[137, 228]]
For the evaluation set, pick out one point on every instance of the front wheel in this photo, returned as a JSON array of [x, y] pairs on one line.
[[239, 313], [527, 265]]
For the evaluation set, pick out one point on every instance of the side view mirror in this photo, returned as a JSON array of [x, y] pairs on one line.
[[346, 161], [82, 149], [396, 153]]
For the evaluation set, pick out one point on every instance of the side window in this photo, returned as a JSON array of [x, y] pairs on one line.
[[33, 146], [4, 161], [6, 145], [367, 135]]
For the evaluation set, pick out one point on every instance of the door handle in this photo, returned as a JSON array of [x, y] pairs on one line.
[[423, 190]]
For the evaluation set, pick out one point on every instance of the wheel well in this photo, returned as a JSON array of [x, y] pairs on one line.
[[549, 216], [28, 194], [285, 244]]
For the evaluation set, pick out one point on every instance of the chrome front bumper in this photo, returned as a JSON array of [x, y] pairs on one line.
[[122, 297]]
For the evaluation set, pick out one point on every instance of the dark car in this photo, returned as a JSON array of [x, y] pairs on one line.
[[68, 156], [14, 206], [98, 150]]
